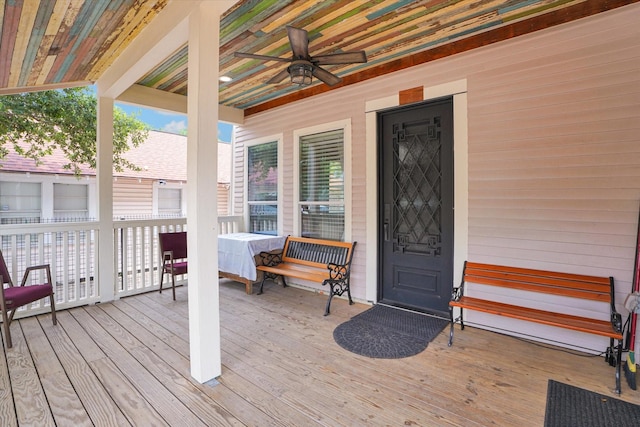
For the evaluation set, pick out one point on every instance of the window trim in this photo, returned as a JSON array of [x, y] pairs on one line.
[[278, 139], [345, 125], [46, 180], [169, 185]]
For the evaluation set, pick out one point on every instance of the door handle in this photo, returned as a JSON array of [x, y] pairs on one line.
[[387, 219]]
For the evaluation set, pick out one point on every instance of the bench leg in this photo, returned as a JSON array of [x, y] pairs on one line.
[[451, 327], [618, 365], [453, 322], [264, 277], [273, 277], [326, 310], [338, 287]]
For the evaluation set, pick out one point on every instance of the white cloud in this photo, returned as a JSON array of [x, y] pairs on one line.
[[175, 126]]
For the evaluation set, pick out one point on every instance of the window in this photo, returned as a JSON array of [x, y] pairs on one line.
[[70, 202], [322, 185], [169, 202], [20, 202], [262, 187]]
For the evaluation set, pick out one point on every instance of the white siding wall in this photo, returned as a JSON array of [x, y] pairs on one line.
[[554, 149]]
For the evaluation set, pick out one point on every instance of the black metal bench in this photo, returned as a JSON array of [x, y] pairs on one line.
[[579, 286], [322, 261]]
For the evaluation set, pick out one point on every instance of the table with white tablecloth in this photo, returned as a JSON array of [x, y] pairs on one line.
[[237, 252]]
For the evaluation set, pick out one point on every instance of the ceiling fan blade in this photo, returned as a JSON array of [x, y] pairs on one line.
[[325, 76], [299, 40], [279, 77], [261, 57], [340, 58]]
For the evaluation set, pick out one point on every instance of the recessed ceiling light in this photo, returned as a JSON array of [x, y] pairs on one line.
[[225, 79]]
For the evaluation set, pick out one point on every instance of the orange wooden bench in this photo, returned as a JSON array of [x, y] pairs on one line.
[[591, 288], [317, 260]]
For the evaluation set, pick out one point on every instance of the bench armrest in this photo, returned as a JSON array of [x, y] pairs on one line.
[[338, 272], [271, 259], [457, 292], [616, 321]]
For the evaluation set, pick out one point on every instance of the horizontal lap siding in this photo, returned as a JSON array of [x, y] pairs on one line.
[[131, 197], [554, 160], [553, 144]]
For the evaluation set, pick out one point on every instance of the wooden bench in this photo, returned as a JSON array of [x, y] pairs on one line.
[[322, 261], [592, 288]]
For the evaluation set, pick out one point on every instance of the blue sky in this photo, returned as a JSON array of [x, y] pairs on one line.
[[170, 122], [165, 121]]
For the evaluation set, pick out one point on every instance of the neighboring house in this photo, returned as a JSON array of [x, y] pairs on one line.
[[49, 193]]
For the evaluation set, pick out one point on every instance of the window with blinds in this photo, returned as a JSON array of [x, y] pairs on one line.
[[170, 202], [321, 199], [70, 201], [20, 202], [262, 187]]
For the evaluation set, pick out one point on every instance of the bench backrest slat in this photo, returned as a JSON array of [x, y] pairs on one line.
[[563, 284], [316, 252]]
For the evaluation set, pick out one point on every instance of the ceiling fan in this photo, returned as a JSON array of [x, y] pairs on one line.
[[303, 66]]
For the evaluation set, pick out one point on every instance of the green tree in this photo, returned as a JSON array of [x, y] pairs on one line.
[[36, 123]]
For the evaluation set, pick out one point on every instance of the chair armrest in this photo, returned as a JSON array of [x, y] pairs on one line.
[[45, 267], [167, 255], [456, 294]]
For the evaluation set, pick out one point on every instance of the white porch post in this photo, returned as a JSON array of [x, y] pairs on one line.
[[202, 172], [104, 177]]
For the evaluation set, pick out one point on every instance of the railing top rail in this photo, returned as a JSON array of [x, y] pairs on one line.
[[11, 229], [148, 222]]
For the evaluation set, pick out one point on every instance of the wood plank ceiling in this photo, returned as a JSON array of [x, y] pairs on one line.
[[54, 43]]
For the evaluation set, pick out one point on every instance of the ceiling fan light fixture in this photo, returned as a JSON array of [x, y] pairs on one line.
[[301, 73]]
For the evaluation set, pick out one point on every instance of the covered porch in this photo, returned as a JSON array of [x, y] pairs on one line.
[[127, 363]]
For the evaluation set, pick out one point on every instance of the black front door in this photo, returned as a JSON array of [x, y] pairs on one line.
[[416, 206]]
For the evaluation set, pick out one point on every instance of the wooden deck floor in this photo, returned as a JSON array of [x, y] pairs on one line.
[[127, 363]]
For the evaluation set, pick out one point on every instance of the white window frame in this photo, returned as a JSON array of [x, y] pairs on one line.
[[345, 125], [171, 185], [278, 139], [62, 213], [46, 180]]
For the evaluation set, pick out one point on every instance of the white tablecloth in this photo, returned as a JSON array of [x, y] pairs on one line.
[[236, 252]]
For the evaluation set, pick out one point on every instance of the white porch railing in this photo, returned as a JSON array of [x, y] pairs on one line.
[[71, 250], [137, 255]]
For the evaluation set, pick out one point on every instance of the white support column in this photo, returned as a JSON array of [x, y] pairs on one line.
[[104, 176], [202, 171]]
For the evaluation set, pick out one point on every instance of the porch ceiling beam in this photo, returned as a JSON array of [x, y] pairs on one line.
[[166, 101], [24, 89], [164, 35]]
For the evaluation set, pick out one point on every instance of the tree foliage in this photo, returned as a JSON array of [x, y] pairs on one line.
[[36, 123]]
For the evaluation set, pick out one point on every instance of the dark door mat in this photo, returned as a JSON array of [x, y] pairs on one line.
[[569, 406], [386, 332]]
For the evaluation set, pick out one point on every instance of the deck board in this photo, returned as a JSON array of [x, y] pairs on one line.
[[99, 405], [30, 401], [127, 363], [62, 399]]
